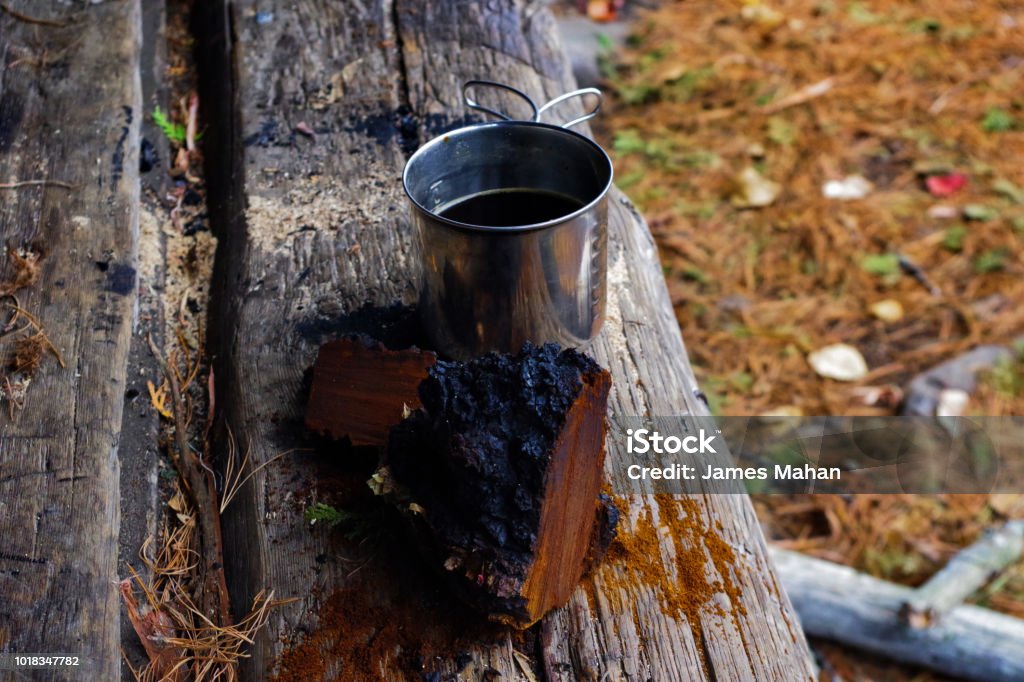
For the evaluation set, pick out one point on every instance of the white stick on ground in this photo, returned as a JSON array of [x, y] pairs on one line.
[[838, 603], [964, 575]]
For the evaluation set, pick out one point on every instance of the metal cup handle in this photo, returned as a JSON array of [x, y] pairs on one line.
[[582, 92], [472, 103]]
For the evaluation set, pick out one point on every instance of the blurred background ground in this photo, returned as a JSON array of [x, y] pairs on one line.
[[822, 172]]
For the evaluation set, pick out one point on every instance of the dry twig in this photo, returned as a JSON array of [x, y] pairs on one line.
[[37, 183], [28, 19], [805, 94]]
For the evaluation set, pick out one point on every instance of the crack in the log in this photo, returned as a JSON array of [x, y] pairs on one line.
[[540, 670], [410, 129], [8, 556], [705, 653]]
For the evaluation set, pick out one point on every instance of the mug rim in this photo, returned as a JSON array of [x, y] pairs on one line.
[[465, 130]]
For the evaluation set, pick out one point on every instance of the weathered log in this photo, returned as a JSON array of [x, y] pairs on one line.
[[965, 573], [838, 603], [361, 389], [504, 465], [313, 230], [70, 107]]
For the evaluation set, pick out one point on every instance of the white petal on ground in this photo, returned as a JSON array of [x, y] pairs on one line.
[[943, 211], [753, 190], [850, 187], [889, 310], [839, 361]]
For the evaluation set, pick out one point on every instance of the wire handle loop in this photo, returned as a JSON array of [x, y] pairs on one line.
[[472, 103]]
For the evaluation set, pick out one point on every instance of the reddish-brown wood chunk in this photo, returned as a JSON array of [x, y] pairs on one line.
[[361, 389], [572, 488]]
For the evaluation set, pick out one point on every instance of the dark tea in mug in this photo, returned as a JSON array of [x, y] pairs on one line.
[[510, 207]]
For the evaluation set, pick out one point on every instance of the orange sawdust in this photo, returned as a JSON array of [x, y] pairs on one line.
[[701, 569], [361, 636], [351, 641]]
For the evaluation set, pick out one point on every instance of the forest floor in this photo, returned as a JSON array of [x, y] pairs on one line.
[[727, 120]]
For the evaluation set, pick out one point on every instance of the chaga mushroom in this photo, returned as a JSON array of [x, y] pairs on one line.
[[501, 470], [361, 389]]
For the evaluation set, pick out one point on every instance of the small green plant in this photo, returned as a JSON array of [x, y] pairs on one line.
[[664, 152], [1008, 190], [695, 274], [764, 98], [892, 563], [606, 63], [355, 527], [781, 131], [683, 88], [638, 93], [741, 382], [924, 25], [175, 132], [716, 397], [980, 212], [958, 34], [881, 264], [997, 120], [703, 210], [630, 179], [628, 141], [1007, 377], [954, 238], [326, 514], [992, 260], [860, 13]]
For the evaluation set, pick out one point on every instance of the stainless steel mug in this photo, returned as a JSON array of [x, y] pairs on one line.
[[492, 287]]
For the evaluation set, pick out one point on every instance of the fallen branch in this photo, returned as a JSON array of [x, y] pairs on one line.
[[838, 603], [967, 572], [201, 485]]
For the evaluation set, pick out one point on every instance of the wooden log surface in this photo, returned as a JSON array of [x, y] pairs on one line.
[[316, 228], [69, 111], [838, 603]]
